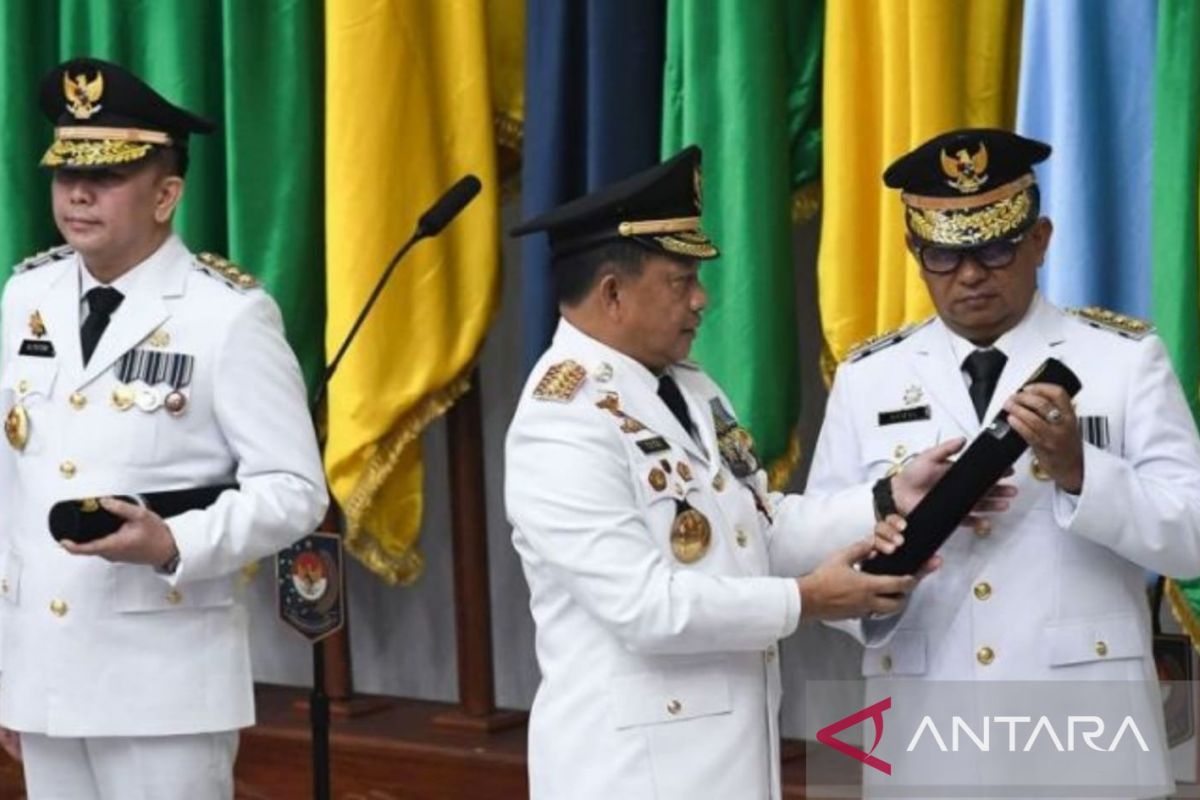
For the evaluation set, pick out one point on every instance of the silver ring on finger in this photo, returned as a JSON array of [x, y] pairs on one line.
[[1054, 415]]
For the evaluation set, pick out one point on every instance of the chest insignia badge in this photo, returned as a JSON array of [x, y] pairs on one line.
[[16, 427], [36, 326]]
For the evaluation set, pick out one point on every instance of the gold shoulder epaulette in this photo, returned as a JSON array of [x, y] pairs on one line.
[[1122, 324], [226, 270], [882, 341], [44, 257], [561, 381]]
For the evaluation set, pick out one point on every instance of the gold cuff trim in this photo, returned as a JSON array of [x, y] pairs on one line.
[[780, 471], [1182, 611], [86, 133], [974, 201], [92, 153], [648, 226]]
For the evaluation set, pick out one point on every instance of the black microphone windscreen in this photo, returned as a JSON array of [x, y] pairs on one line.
[[447, 207]]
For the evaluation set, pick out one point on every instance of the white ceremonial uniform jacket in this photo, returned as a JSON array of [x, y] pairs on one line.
[[659, 678], [1056, 590], [92, 648]]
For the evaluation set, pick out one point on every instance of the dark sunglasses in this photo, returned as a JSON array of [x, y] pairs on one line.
[[944, 260]]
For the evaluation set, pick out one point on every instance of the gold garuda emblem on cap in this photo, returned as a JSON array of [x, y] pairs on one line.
[[966, 172], [83, 96]]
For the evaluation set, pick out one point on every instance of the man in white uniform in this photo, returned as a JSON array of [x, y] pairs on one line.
[[130, 367], [1053, 589], [646, 529]]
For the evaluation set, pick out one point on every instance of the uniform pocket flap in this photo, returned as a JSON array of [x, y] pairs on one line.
[[654, 698], [1095, 639], [139, 589], [886, 449], [29, 377], [904, 654]]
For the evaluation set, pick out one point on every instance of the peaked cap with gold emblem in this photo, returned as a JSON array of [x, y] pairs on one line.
[[105, 115], [658, 208], [969, 187]]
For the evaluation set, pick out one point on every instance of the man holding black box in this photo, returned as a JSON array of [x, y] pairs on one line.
[[1053, 589], [132, 368], [662, 570]]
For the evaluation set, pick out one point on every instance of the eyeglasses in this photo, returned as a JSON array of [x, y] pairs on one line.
[[944, 260]]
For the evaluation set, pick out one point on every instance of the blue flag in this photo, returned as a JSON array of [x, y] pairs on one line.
[[593, 115], [1087, 88]]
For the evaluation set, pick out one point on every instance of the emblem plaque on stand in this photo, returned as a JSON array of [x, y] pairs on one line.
[[311, 588]]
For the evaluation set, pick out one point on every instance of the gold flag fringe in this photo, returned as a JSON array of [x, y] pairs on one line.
[[781, 469], [1182, 611], [405, 566], [510, 132], [806, 202]]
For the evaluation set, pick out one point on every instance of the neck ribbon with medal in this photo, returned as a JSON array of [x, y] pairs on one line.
[[691, 532], [737, 451]]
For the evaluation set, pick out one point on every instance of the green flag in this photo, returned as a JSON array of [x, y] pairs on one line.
[[1175, 277], [742, 81], [27, 37], [254, 189]]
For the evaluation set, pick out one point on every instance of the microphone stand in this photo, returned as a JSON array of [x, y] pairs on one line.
[[318, 701], [430, 224]]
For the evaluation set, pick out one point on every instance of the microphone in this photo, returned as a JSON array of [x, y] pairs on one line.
[[431, 223], [447, 207]]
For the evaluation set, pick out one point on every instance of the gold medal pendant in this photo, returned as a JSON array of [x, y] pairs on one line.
[[16, 427], [691, 533]]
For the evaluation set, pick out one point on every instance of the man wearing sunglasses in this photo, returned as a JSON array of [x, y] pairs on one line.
[[1052, 589]]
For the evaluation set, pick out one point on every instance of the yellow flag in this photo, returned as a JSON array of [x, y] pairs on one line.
[[897, 72], [408, 112]]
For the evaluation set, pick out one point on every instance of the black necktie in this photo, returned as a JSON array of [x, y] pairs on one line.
[[102, 302], [984, 367], [668, 390]]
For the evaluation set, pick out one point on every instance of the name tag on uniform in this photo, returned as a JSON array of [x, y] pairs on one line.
[[656, 444], [914, 414], [38, 348]]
